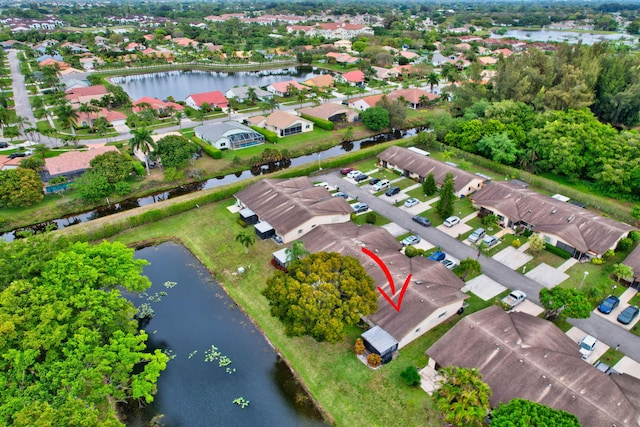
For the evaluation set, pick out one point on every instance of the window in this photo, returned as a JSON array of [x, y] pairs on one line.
[[441, 315], [292, 130]]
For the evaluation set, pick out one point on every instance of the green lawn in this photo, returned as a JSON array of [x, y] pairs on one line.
[[327, 370], [380, 220], [611, 357], [543, 257]]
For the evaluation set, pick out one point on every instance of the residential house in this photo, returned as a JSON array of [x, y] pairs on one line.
[[283, 124], [487, 60], [84, 95], [364, 103], [336, 113], [185, 42], [241, 93], [215, 99], [580, 232], [159, 54], [50, 62], [160, 106], [229, 135], [523, 356], [633, 261], [354, 78], [322, 81], [114, 118], [438, 59], [415, 98], [72, 163], [384, 73], [504, 52], [290, 208], [342, 44], [343, 58], [417, 166], [409, 55], [76, 83], [432, 296], [285, 88], [332, 30]]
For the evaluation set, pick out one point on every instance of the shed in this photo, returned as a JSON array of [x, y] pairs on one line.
[[264, 230], [281, 257], [380, 342], [248, 216]]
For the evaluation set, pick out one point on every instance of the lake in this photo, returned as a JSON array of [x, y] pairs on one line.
[[195, 314], [565, 36], [181, 84]]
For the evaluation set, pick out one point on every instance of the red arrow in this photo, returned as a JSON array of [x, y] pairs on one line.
[[385, 269]]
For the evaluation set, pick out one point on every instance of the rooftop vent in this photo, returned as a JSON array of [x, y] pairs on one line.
[[554, 211], [571, 218]]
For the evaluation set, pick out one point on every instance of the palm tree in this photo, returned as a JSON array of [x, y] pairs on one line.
[[251, 96], [23, 123], [469, 266], [88, 109], [423, 101], [296, 251], [463, 397], [142, 142], [246, 239], [67, 115], [4, 119], [445, 96], [179, 115], [269, 104], [433, 79]]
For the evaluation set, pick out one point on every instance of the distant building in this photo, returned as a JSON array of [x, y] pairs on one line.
[[229, 135]]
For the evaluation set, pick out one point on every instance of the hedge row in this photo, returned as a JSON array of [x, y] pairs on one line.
[[269, 136], [212, 151], [321, 123], [175, 207], [557, 251], [600, 203]]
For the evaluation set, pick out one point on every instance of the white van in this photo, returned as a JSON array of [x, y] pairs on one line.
[[381, 185]]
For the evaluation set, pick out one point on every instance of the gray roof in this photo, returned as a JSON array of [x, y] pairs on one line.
[[379, 339], [582, 229], [288, 203], [214, 131], [432, 285], [423, 166], [523, 356], [241, 92]]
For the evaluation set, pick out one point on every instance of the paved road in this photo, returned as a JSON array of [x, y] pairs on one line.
[[20, 94], [605, 331]]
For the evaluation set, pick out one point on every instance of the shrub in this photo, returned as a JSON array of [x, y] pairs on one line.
[[608, 254], [321, 123], [374, 360], [557, 251], [269, 136], [516, 243], [371, 218], [597, 261], [634, 235], [624, 244], [411, 376], [123, 188], [241, 223], [410, 251], [527, 232], [211, 151], [359, 346], [139, 168]]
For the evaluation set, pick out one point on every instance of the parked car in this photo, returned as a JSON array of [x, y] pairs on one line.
[[341, 194], [361, 177], [410, 240], [477, 234], [381, 185], [322, 184], [409, 203], [514, 298], [17, 154], [449, 264], [374, 181], [3, 144], [490, 241], [451, 221], [437, 256], [628, 314], [360, 207], [587, 345], [609, 304], [345, 171], [392, 191], [422, 221], [353, 174]]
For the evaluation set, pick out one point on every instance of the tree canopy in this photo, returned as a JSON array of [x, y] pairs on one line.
[[321, 294], [463, 398], [20, 188], [113, 166], [524, 413], [71, 347], [375, 118], [560, 303], [174, 151]]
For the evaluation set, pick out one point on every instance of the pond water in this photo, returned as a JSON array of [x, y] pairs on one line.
[[181, 84], [194, 315], [565, 36]]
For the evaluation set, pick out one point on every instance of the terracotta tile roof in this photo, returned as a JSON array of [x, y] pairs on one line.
[[283, 87], [371, 101], [74, 161], [110, 116], [281, 120], [412, 95], [214, 98], [324, 80], [327, 110], [523, 356], [155, 104], [355, 76]]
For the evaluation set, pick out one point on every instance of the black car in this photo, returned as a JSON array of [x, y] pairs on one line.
[[3, 144], [374, 181], [422, 221], [361, 177], [17, 154], [392, 191]]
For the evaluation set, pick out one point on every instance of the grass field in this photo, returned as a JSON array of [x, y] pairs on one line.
[[351, 393]]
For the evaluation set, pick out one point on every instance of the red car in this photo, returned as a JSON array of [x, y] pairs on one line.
[[345, 171]]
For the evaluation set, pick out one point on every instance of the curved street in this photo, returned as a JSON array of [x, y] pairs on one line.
[[605, 331]]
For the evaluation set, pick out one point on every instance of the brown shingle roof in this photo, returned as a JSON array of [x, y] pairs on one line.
[[582, 229], [633, 261], [423, 166], [74, 161], [432, 286], [281, 120], [288, 203], [327, 110], [523, 356]]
